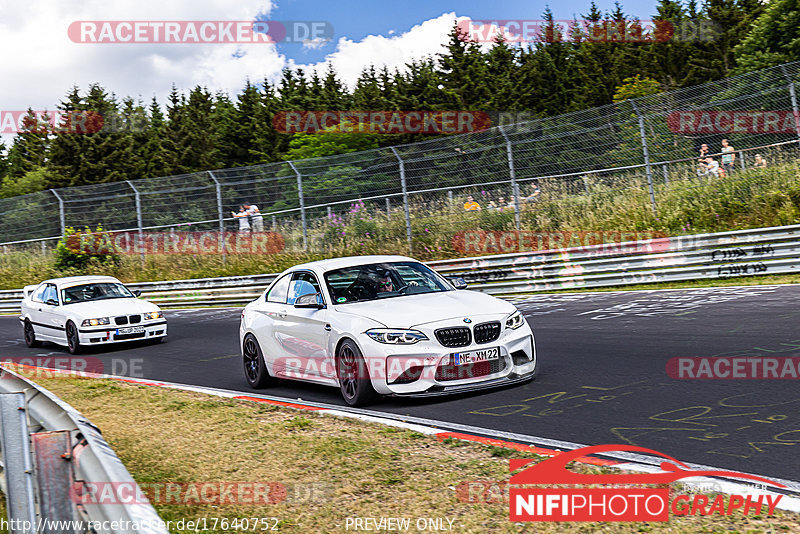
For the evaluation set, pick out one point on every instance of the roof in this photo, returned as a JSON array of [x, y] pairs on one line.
[[75, 280], [348, 261]]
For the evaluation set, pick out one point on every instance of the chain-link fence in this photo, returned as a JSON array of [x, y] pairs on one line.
[[638, 156]]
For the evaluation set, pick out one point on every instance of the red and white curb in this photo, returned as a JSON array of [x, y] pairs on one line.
[[626, 461]]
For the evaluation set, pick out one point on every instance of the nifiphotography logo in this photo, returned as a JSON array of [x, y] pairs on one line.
[[620, 497]]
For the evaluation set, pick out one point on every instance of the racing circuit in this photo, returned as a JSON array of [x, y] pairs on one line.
[[602, 379]]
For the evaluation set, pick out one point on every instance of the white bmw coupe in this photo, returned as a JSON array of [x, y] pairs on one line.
[[383, 325], [82, 311]]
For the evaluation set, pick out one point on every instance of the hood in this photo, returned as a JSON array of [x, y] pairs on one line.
[[414, 310], [110, 308]]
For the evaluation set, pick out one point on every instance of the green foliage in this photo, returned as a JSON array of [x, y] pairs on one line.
[[636, 87], [773, 39], [328, 143], [79, 250], [30, 182]]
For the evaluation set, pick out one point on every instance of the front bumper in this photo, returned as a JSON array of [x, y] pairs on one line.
[[427, 369], [103, 335]]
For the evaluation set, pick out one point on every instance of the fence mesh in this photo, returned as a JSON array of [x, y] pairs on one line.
[[590, 161]]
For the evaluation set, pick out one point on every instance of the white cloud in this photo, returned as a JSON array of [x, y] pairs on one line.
[[425, 39], [41, 63]]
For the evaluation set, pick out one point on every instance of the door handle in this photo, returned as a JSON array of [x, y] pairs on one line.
[[281, 313], [327, 327]]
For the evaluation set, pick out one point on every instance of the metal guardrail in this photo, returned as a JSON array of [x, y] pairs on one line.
[[740, 253], [49, 450]]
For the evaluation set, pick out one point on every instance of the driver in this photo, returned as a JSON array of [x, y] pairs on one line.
[[385, 283]]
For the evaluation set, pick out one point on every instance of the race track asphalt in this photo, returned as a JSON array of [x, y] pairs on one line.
[[603, 373]]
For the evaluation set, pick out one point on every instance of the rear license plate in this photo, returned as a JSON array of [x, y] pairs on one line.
[[475, 356], [130, 330]]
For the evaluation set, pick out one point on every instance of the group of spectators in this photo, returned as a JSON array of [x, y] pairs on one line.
[[501, 204], [250, 218], [708, 166]]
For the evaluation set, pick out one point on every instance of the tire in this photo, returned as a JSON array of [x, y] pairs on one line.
[[30, 335], [255, 369], [354, 379], [73, 340]]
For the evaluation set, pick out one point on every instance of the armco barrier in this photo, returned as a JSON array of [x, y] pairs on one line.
[[49, 449], [740, 253]]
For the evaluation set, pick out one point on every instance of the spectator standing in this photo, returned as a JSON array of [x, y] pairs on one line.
[[256, 219], [471, 205], [535, 193], [728, 156], [759, 163], [703, 151], [242, 216]]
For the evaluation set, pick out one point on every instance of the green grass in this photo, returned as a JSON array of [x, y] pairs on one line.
[[333, 468], [687, 205]]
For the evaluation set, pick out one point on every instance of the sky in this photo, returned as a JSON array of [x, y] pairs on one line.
[[41, 60]]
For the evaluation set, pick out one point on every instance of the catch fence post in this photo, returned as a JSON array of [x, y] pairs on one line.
[[404, 187], [646, 153], [138, 216], [793, 98], [302, 204], [512, 175], [60, 211], [220, 216]]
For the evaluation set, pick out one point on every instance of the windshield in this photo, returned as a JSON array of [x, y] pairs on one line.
[[382, 280], [96, 291]]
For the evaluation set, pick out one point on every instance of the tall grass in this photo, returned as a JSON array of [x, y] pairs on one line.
[[688, 204]]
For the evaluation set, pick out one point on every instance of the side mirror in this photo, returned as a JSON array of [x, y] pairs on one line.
[[309, 300], [137, 293], [458, 282], [52, 302]]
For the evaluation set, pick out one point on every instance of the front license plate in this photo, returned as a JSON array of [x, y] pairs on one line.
[[475, 356], [130, 330]]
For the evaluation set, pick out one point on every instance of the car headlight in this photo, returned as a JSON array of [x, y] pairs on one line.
[[95, 322], [515, 320], [393, 336], [154, 315]]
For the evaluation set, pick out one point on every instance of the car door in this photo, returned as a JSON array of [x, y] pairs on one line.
[[267, 325], [50, 315], [305, 331]]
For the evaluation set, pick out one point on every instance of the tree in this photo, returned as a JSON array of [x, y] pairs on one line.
[[773, 39], [636, 87]]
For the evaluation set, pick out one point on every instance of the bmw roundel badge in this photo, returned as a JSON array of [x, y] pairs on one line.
[[467, 320]]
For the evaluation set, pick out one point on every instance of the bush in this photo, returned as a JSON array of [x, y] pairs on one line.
[[78, 250]]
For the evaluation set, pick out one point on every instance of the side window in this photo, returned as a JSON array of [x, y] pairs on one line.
[[302, 284], [50, 293], [279, 290], [38, 293]]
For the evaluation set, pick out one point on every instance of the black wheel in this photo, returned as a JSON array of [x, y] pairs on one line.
[[30, 336], [354, 379], [255, 370], [73, 342]]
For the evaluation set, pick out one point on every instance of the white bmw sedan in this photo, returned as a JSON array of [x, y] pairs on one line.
[[82, 311], [383, 325]]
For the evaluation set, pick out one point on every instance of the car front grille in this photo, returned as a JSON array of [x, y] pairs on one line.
[[128, 319], [459, 336], [451, 371], [487, 332]]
